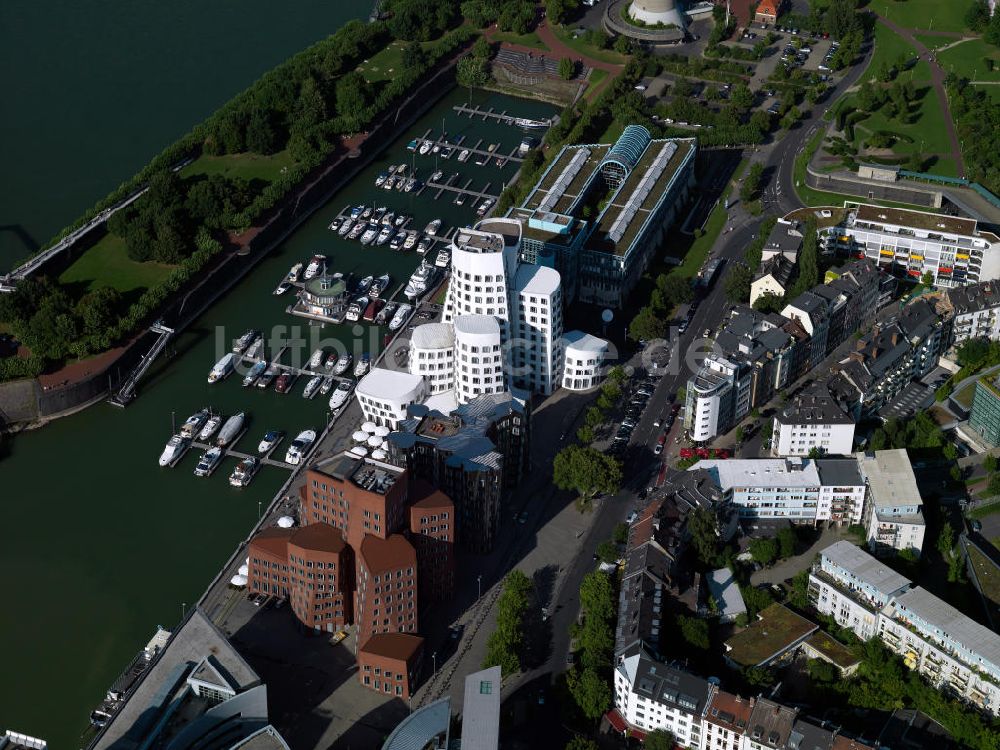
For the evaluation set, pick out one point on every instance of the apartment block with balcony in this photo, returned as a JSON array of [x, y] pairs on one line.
[[909, 243], [768, 490], [814, 420], [974, 311], [842, 491], [718, 396], [894, 518]]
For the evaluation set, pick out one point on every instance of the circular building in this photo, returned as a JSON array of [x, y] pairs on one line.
[[432, 348], [478, 357], [657, 12], [584, 357]]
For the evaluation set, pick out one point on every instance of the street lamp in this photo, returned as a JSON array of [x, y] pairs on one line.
[[434, 656], [260, 512], [479, 581], [183, 606]]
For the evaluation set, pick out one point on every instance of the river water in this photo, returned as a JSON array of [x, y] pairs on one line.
[[102, 545]]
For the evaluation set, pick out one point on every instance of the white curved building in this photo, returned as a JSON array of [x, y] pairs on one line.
[[652, 12], [432, 356], [478, 357], [384, 395], [583, 360], [536, 353]]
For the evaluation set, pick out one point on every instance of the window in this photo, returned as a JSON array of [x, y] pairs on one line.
[[485, 687]]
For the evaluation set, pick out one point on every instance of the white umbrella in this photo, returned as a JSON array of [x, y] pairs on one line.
[[244, 570], [375, 441], [238, 580], [359, 450], [378, 455], [286, 522], [382, 430], [360, 436], [369, 427]]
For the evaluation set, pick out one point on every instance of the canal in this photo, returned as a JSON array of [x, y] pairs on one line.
[[105, 545]]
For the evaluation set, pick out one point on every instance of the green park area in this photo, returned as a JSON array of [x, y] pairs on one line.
[[530, 39], [107, 264], [974, 59], [928, 15], [580, 43], [382, 65], [247, 166]]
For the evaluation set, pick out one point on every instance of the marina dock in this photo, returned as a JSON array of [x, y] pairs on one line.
[[474, 151], [227, 452], [490, 114]]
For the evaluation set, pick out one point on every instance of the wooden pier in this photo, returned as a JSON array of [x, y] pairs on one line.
[[485, 154], [491, 114], [448, 187], [266, 459]]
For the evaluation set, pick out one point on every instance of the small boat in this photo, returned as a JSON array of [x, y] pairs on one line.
[[358, 210], [331, 360], [340, 396], [244, 471], [364, 362], [366, 214], [378, 213], [314, 266], [387, 219], [397, 240], [356, 230], [381, 178], [443, 258], [410, 185], [316, 360], [433, 227], [364, 285], [401, 183], [222, 368], [174, 449], [283, 383], [372, 309], [255, 349], [485, 206], [400, 220], [299, 446], [194, 423], [420, 280], [208, 461], [447, 152], [385, 314], [370, 234], [269, 374], [283, 287], [241, 344], [271, 438], [400, 317], [437, 176], [255, 372], [411, 240], [345, 227], [334, 225], [436, 149], [355, 309], [312, 386], [492, 147], [343, 362], [498, 161], [391, 169], [294, 272], [424, 148], [211, 426], [230, 429], [481, 160], [380, 285], [412, 145], [385, 233], [390, 183], [326, 385], [424, 245], [464, 155], [460, 199], [401, 169]]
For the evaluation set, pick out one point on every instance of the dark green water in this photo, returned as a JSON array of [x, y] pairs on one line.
[[102, 544]]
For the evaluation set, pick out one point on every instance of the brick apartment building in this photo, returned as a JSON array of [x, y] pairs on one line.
[[386, 595], [311, 566], [390, 663], [432, 533]]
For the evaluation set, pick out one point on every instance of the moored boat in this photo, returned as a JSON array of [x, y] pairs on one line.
[[355, 309], [485, 206], [369, 235], [346, 226], [385, 314], [244, 471], [222, 368], [464, 155], [326, 385], [387, 218], [316, 360], [255, 349], [343, 363], [424, 148], [211, 427], [424, 245], [284, 382], [340, 396], [294, 272], [231, 429], [255, 372], [174, 449], [402, 313], [194, 423], [383, 236], [358, 210], [381, 178], [412, 145], [208, 461], [380, 285], [314, 267], [334, 225], [271, 438], [356, 230], [443, 258], [299, 447], [312, 386], [397, 240], [432, 228], [283, 287], [364, 362], [331, 360], [241, 344], [372, 309], [420, 280], [268, 375], [400, 220], [411, 240]]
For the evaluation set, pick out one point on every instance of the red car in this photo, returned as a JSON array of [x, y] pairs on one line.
[[720, 453], [686, 453], [702, 452]]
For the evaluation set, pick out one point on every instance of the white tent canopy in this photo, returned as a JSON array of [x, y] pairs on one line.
[[360, 436], [244, 570], [286, 522], [238, 580], [374, 441], [378, 455], [369, 427], [381, 430], [359, 450]]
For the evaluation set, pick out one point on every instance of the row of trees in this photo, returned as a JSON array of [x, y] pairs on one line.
[[651, 321], [515, 16], [589, 681], [505, 645], [611, 392], [979, 19], [977, 120], [741, 275]]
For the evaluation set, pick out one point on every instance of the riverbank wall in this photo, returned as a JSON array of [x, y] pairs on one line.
[[33, 402]]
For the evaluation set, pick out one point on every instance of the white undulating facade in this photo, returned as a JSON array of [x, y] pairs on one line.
[[432, 356], [537, 305], [478, 357], [384, 395], [894, 518], [584, 358], [950, 650]]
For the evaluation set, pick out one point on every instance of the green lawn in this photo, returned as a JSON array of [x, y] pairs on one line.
[[106, 264], [698, 252], [565, 35], [525, 40], [381, 66], [248, 166], [889, 46], [968, 60], [934, 15], [596, 79], [932, 42]]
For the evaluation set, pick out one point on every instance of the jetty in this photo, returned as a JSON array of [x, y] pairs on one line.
[[491, 114]]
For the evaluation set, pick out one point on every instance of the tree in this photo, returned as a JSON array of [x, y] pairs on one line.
[[99, 309], [646, 326], [769, 302], [807, 262], [990, 463], [607, 552], [414, 57], [620, 534], [695, 631], [740, 434], [261, 138], [977, 18], [472, 71], [738, 282], [659, 739], [506, 642], [581, 743], [821, 670], [586, 471], [752, 182], [567, 68], [701, 527], [764, 550], [992, 34], [741, 97], [786, 542], [352, 94], [591, 693], [585, 435], [623, 45]]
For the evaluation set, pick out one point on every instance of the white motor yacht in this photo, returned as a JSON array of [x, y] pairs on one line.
[[420, 280], [400, 317], [283, 287], [364, 362], [327, 385], [433, 227], [271, 438], [313, 269], [255, 372], [244, 471], [356, 308], [424, 148], [294, 272], [411, 240], [346, 226], [369, 235], [343, 364], [340, 396], [383, 236], [443, 258], [194, 423], [255, 348], [222, 368], [312, 386], [380, 285], [299, 447], [241, 344], [208, 461], [211, 427], [174, 450], [316, 360]]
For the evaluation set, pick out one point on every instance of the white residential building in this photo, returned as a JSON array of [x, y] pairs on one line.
[[384, 395], [841, 491], [651, 695], [718, 396], [975, 311], [537, 306], [478, 357], [813, 420], [950, 650], [894, 518], [584, 360], [432, 356]]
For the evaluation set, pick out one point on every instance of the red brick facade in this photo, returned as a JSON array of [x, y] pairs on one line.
[[389, 663], [386, 595], [432, 532]]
